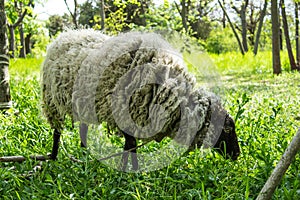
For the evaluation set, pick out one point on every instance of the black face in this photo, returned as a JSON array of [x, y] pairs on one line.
[[227, 144]]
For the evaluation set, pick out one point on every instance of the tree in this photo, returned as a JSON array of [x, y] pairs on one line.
[[102, 15], [55, 25], [22, 53], [232, 27], [135, 11], [183, 10], [297, 32], [200, 19], [275, 37], [17, 13], [164, 15], [113, 16], [74, 14], [4, 60], [258, 32], [250, 13], [223, 17], [123, 15], [248, 17], [32, 30], [287, 36], [195, 17], [87, 13], [256, 12], [242, 13]]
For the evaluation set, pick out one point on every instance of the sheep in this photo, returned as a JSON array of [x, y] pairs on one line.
[[136, 83]]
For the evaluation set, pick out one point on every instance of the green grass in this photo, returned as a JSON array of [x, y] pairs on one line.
[[265, 106]]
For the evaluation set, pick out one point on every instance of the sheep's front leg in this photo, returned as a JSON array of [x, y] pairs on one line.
[[56, 136], [130, 142], [83, 134]]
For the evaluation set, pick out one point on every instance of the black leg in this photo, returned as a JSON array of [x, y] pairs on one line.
[[134, 161], [83, 134], [124, 160], [130, 142], [56, 136]]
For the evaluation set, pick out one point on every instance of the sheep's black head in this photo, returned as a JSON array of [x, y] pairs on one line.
[[218, 130], [227, 143]]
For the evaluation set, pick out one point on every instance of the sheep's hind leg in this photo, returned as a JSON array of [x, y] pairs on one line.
[[83, 134], [130, 142], [56, 136]]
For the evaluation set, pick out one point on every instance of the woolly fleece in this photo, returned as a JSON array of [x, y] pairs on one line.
[[135, 82]]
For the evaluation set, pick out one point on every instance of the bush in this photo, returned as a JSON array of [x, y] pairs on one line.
[[221, 41]]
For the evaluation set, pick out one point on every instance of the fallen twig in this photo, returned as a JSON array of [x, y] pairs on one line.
[[72, 158], [280, 169], [22, 158]]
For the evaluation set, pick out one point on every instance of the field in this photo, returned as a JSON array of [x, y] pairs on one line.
[[265, 108]]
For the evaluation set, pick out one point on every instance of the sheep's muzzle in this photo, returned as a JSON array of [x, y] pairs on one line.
[[227, 144]]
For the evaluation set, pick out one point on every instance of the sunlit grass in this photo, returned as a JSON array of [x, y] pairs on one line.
[[21, 68], [268, 108], [237, 64]]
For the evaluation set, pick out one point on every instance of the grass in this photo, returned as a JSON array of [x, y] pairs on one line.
[[266, 111]]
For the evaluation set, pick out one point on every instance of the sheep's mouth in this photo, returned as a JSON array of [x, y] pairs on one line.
[[233, 157]]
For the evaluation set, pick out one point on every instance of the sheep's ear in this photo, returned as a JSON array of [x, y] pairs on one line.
[[229, 125]]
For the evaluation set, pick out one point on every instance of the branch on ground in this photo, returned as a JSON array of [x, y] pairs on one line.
[[22, 158], [285, 161]]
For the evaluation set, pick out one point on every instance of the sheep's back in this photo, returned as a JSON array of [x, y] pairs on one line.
[[123, 83]]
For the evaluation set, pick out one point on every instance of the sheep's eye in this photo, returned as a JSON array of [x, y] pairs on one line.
[[227, 129]]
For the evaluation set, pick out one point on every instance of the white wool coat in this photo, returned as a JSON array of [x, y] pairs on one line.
[[135, 82]]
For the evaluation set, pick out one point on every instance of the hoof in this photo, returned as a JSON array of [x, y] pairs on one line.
[[51, 157]]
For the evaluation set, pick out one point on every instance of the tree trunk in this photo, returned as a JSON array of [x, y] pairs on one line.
[[73, 14], [287, 36], [4, 61], [22, 42], [11, 41], [280, 37], [143, 12], [280, 32], [297, 33], [28, 43], [275, 38], [102, 15], [244, 25], [261, 22], [280, 169], [224, 17], [252, 24], [183, 13], [233, 29], [12, 27]]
